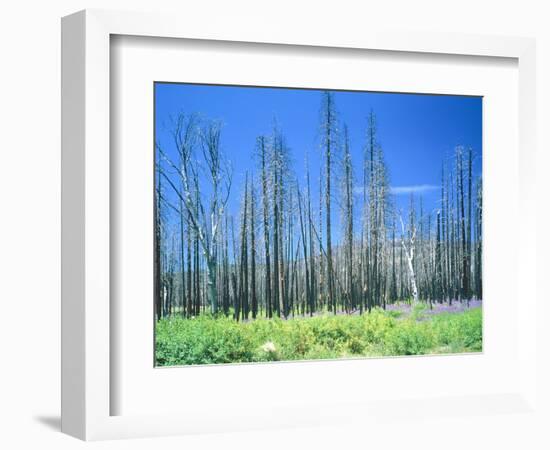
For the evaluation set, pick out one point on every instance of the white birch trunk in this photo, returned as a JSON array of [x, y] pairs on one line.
[[409, 252], [411, 273]]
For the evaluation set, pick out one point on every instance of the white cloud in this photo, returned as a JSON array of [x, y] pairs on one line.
[[414, 189], [402, 190]]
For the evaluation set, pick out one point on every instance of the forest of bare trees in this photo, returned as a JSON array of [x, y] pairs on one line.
[[345, 250]]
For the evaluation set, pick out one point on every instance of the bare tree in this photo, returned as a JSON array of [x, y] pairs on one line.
[[158, 239], [253, 294], [408, 244], [348, 222], [243, 277], [262, 150], [309, 295], [205, 214], [329, 144]]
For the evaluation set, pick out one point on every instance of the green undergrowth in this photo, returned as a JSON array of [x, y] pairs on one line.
[[214, 340]]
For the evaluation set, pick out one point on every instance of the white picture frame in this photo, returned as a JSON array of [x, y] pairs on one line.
[[87, 384]]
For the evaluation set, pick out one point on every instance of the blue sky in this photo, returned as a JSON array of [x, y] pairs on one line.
[[417, 132]]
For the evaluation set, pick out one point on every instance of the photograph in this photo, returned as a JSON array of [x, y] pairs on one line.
[[301, 224]]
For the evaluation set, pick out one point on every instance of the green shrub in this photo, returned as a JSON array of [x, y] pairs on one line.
[[409, 339], [212, 340], [460, 332]]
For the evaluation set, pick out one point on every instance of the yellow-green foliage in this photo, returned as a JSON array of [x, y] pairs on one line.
[[212, 340]]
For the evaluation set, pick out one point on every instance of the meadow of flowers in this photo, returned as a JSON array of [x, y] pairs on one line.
[[397, 331]]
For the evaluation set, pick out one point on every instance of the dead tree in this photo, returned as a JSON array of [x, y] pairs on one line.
[[253, 293], [329, 146], [348, 222], [205, 214], [262, 149], [408, 248]]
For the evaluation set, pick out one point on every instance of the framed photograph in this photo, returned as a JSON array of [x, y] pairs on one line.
[[379, 253], [272, 229]]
